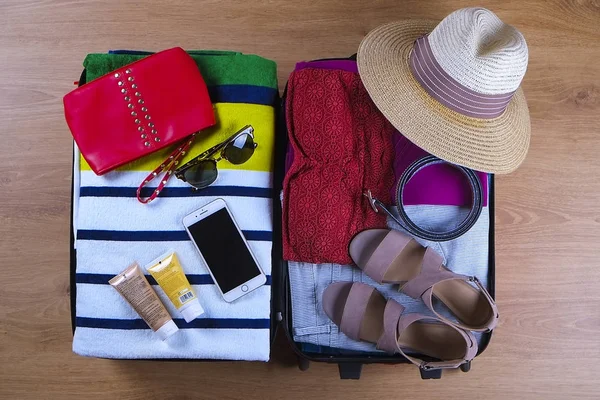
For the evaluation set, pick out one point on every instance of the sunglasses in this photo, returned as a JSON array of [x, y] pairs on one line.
[[201, 171]]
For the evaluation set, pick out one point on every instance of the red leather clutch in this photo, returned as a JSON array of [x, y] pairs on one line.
[[138, 109]]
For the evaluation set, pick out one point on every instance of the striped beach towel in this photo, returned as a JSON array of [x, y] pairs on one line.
[[112, 229]]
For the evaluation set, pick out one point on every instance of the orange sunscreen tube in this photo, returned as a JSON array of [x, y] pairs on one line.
[[170, 277], [134, 287]]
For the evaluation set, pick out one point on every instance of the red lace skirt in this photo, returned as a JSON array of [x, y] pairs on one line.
[[342, 147]]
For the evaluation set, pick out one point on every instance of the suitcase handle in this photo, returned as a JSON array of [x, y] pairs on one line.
[[350, 370]]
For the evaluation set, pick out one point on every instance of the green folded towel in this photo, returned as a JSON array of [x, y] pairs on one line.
[[216, 67]]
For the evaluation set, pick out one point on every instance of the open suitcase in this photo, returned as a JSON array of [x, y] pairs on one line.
[[350, 365]]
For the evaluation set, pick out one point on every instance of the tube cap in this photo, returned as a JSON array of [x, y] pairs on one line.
[[167, 330], [191, 310]]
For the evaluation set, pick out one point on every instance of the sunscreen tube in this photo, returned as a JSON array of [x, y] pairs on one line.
[[170, 277], [134, 287]]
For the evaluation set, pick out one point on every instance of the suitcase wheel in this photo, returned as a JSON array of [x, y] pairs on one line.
[[430, 373], [466, 367], [303, 363]]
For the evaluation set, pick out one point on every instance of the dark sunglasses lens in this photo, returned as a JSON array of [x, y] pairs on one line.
[[202, 174], [240, 150]]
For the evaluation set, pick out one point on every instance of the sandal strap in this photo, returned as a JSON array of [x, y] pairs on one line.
[[470, 342], [435, 364], [385, 253], [489, 298], [391, 315], [354, 310], [427, 298], [431, 273]]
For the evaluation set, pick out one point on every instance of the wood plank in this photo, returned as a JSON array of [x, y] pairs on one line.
[[548, 213]]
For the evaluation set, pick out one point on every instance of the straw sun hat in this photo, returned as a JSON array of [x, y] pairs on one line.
[[452, 87]]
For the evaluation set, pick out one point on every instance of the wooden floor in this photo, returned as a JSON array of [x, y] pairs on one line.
[[547, 344]]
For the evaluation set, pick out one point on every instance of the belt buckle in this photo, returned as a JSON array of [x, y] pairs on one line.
[[369, 196]]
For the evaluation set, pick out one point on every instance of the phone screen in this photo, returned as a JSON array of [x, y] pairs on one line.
[[224, 250]]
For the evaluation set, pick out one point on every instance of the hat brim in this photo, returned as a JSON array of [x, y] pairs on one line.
[[497, 145]]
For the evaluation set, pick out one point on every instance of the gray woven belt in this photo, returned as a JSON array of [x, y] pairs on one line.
[[415, 230]]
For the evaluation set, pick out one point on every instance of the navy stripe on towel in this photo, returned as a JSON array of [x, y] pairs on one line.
[[157, 236], [202, 323], [242, 94], [111, 191], [102, 279]]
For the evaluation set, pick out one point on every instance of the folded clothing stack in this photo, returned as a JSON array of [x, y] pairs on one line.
[[467, 255], [112, 229], [436, 199]]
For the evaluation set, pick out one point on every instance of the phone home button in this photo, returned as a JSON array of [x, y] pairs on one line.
[[244, 288]]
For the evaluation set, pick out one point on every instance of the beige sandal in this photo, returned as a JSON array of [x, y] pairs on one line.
[[362, 313], [389, 256]]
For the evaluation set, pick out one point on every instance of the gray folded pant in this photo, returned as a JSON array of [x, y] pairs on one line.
[[466, 255]]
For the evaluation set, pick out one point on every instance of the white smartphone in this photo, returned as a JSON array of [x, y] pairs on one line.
[[224, 250]]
